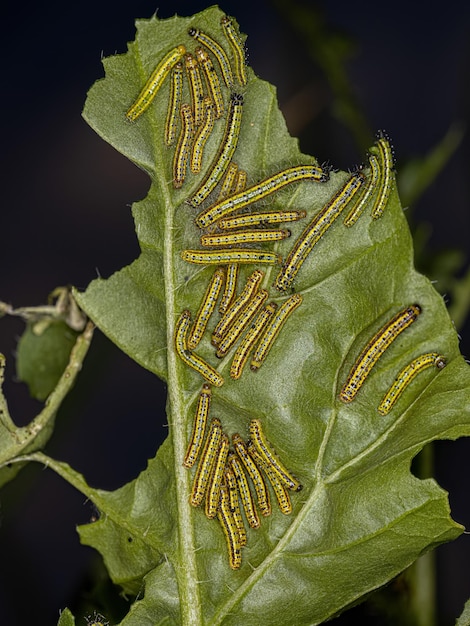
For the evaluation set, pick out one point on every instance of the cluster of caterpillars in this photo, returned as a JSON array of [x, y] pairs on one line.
[[248, 324], [223, 476]]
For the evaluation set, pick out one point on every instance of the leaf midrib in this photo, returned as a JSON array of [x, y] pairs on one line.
[[191, 609]]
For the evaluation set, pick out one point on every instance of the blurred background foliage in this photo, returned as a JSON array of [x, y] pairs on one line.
[[343, 71]]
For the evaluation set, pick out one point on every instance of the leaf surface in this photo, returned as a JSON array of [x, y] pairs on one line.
[[362, 517]]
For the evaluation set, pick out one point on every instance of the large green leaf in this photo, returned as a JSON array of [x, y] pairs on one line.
[[362, 517]]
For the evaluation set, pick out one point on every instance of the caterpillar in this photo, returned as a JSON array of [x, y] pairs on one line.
[[199, 427], [181, 157], [280, 491], [246, 345], [206, 462], [260, 219], [259, 191], [155, 81], [217, 50], [386, 178], [231, 531], [212, 80], [371, 187], [195, 87], [262, 493], [250, 288], [201, 136], [244, 236], [273, 329], [406, 376], [234, 503], [174, 104], [217, 474], [189, 358], [206, 308], [315, 231], [230, 287], [374, 349], [225, 154], [246, 497], [237, 48], [240, 322], [231, 255], [263, 448]]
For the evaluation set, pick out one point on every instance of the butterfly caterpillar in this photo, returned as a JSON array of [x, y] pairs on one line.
[[196, 88], [212, 81], [229, 288], [250, 288], [240, 322], [206, 463], [228, 181], [217, 50], [259, 191], [155, 81], [369, 190], [374, 349], [260, 219], [201, 136], [181, 157], [386, 176], [315, 231], [199, 427], [206, 308], [407, 375], [237, 48], [225, 154], [231, 255], [263, 448], [280, 491], [174, 104], [246, 497], [248, 342], [272, 330], [234, 503], [240, 183], [229, 526], [244, 236], [191, 359], [216, 478], [262, 493]]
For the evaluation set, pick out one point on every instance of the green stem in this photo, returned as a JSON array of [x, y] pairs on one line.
[[62, 469], [423, 590], [422, 574]]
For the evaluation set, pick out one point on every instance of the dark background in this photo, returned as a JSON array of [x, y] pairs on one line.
[[65, 219]]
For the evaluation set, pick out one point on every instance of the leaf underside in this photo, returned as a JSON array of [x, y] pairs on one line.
[[362, 517]]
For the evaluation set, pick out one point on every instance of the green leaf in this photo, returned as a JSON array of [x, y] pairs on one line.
[[362, 516], [42, 357], [66, 618], [18, 441]]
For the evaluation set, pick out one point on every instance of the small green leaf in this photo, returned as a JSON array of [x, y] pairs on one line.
[[15, 441], [362, 517], [43, 356], [66, 618]]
